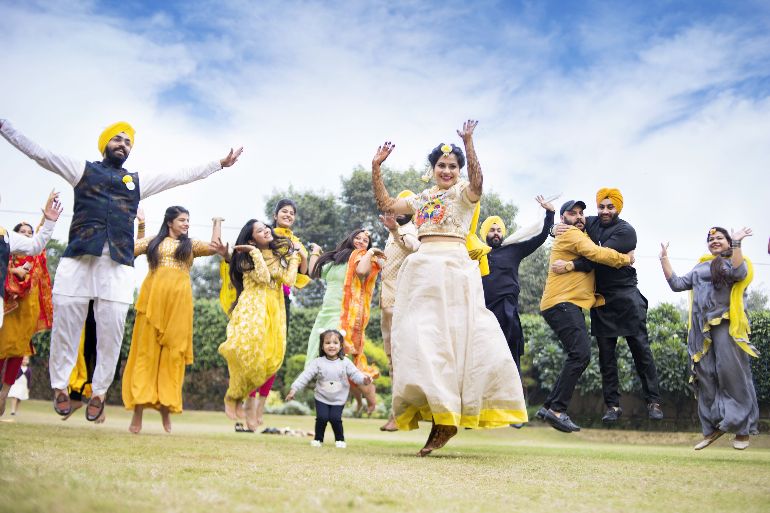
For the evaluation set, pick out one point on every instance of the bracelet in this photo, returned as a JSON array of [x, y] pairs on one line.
[[735, 244]]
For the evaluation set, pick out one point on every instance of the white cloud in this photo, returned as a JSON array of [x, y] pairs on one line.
[[311, 90]]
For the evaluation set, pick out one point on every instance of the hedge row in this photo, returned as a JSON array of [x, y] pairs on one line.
[[207, 377]]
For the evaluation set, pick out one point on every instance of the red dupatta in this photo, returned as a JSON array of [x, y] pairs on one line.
[[16, 289]]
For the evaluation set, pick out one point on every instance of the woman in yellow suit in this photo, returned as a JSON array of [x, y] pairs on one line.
[[284, 216], [256, 334], [161, 344]]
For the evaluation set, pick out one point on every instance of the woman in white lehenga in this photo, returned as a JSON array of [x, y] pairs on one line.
[[450, 357]]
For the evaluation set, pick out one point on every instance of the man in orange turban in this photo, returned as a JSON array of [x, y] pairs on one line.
[[624, 313], [97, 264]]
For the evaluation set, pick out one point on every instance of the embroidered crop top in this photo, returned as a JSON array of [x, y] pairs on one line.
[[445, 212]]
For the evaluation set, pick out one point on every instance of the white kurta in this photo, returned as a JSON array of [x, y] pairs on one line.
[[23, 245]]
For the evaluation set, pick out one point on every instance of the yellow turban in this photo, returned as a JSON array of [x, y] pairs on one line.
[[613, 194], [113, 130], [487, 225]]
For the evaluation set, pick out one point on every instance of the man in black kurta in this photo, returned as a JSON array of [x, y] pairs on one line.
[[625, 312], [501, 285]]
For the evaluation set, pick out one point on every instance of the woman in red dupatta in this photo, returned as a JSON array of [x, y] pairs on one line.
[[28, 310]]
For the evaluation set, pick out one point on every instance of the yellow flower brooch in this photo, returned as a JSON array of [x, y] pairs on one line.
[[446, 149], [129, 181]]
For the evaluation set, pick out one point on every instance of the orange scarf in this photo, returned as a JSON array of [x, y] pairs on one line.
[[356, 303]]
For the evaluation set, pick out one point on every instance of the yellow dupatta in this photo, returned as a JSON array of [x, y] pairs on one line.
[[739, 321], [356, 303], [302, 279], [477, 250]]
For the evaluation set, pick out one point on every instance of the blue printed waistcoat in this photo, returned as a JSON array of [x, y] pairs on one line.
[[5, 255], [105, 209]]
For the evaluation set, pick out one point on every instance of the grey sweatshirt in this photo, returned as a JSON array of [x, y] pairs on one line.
[[332, 384]]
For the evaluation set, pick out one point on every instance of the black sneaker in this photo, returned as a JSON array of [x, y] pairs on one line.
[[612, 415], [654, 411]]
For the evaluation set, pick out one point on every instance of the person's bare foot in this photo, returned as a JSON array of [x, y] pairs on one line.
[[76, 405], [441, 435], [428, 447], [231, 409], [136, 421], [251, 414], [165, 417], [239, 411], [101, 418], [390, 425]]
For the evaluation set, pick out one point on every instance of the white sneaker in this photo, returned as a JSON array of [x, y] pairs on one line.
[[340, 445], [740, 444], [315, 443]]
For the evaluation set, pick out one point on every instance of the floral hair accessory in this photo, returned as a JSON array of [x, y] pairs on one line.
[[446, 149], [712, 231]]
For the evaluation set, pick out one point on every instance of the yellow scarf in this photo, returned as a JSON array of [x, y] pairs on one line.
[[739, 322], [302, 279], [477, 250]]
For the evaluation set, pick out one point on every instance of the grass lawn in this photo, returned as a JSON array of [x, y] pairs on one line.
[[52, 466]]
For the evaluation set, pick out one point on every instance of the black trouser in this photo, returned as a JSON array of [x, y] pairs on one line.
[[566, 319], [645, 368], [328, 413], [507, 314]]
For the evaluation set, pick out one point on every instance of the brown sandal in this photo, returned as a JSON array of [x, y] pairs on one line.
[[94, 402], [59, 398]]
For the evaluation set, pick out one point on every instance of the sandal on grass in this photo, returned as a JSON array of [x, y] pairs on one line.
[[94, 409], [61, 403], [240, 428]]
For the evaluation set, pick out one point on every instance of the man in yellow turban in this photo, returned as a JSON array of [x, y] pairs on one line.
[[624, 313], [97, 264], [501, 283]]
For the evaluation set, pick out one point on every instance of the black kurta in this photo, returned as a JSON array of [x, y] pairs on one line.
[[501, 285]]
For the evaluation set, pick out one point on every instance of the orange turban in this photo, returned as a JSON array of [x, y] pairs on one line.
[[612, 194], [113, 130]]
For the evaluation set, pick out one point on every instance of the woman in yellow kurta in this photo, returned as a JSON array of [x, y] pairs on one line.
[[256, 334], [161, 344]]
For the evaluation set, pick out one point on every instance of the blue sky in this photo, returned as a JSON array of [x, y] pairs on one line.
[[669, 101]]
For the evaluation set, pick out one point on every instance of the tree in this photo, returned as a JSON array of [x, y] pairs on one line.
[[205, 278], [532, 274], [756, 301], [53, 253], [319, 216]]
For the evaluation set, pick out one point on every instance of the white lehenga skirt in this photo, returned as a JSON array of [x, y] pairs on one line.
[[451, 362]]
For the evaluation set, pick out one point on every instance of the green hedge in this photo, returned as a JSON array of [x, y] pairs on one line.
[[542, 361], [668, 341]]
